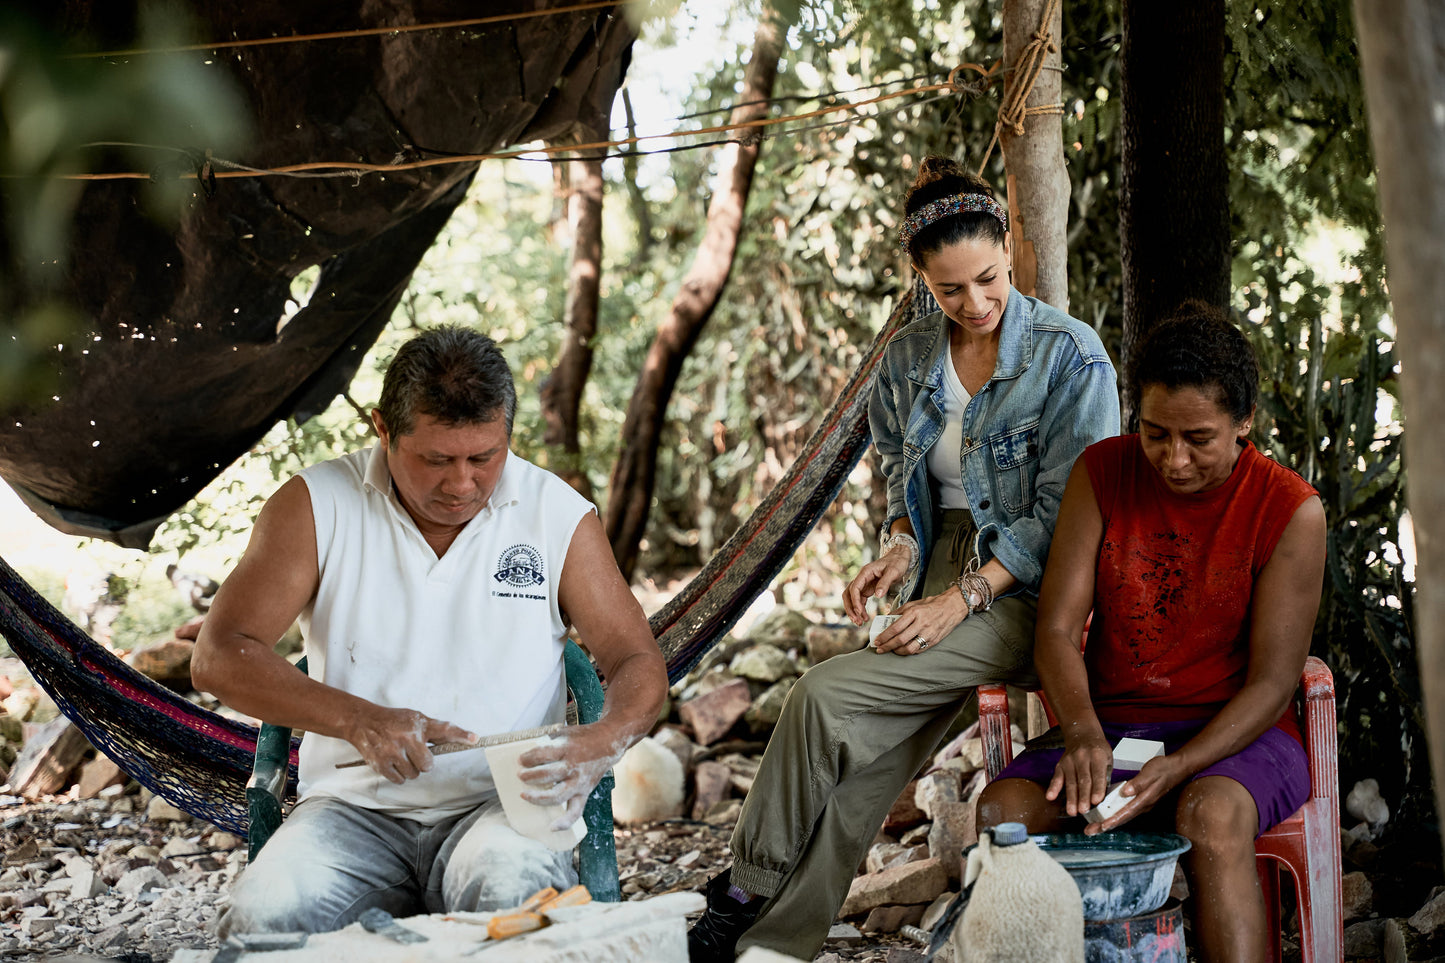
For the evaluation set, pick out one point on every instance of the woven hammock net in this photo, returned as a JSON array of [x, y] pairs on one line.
[[199, 760]]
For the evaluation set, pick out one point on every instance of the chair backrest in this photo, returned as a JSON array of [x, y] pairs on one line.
[[1317, 690]]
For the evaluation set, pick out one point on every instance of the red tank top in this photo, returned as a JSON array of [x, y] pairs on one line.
[[1169, 639]]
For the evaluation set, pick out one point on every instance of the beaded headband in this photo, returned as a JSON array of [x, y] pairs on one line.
[[947, 207]]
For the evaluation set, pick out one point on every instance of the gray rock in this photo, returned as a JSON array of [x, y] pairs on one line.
[[782, 628], [724, 813], [767, 708], [954, 830], [1365, 803], [1357, 896], [85, 882], [675, 741], [180, 846], [762, 663], [825, 641], [1430, 916], [161, 811], [942, 785], [1364, 939], [883, 856], [140, 880]]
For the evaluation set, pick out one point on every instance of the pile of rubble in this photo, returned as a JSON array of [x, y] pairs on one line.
[[113, 876]]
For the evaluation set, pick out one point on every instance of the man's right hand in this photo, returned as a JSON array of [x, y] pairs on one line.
[[394, 742]]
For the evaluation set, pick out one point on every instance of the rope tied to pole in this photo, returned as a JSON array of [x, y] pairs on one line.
[[1014, 110]]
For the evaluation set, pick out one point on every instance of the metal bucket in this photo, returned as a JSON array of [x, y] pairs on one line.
[[1156, 937], [1119, 875]]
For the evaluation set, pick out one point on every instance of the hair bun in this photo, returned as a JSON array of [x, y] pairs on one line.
[[936, 167], [953, 176]]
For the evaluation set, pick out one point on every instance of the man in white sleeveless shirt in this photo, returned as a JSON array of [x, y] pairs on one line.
[[435, 576]]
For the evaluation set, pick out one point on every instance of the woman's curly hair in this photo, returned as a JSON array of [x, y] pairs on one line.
[[1197, 346]]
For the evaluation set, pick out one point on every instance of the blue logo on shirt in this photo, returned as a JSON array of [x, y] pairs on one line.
[[520, 566]]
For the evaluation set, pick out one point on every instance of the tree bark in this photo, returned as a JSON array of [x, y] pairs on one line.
[[641, 212], [562, 391], [1038, 184], [1174, 189], [1402, 58], [629, 499]]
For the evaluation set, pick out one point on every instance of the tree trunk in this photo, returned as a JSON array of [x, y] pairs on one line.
[[1174, 189], [629, 498], [562, 391], [641, 212], [1402, 58], [1038, 184]]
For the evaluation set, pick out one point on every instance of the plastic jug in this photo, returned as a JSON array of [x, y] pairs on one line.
[[1024, 904]]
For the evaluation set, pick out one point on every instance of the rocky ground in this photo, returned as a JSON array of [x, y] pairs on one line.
[[120, 878]]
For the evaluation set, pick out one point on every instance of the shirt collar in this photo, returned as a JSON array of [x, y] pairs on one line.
[[1015, 344], [378, 476], [507, 492]]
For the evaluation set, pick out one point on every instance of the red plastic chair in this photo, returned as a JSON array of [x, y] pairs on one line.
[[1307, 843]]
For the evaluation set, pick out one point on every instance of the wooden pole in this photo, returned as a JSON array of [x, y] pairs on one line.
[[1402, 61], [1038, 184]]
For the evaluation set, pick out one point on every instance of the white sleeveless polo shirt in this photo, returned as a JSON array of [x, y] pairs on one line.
[[474, 637]]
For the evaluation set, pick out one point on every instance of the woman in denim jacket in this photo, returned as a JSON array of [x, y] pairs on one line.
[[978, 414]]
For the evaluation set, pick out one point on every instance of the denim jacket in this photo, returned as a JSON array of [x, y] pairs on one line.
[[1052, 394]]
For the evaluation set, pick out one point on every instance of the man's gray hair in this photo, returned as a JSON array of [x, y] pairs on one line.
[[453, 374]]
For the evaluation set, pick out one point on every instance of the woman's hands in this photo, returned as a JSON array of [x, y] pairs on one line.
[[876, 580], [923, 624], [1082, 775], [1159, 777], [1082, 780]]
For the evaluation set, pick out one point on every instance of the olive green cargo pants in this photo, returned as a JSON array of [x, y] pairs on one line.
[[854, 730]]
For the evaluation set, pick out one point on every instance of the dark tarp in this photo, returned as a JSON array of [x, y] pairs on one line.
[[186, 367]]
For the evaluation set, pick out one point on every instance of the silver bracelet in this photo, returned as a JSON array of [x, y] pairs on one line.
[[894, 539], [972, 585]]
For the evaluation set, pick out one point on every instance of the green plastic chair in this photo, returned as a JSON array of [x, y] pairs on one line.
[[269, 786]]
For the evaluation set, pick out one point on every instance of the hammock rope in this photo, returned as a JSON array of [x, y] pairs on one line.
[[199, 760]]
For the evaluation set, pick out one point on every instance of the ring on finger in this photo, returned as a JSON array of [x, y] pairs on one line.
[[922, 642]]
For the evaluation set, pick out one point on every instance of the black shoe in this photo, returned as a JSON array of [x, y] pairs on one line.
[[714, 937]]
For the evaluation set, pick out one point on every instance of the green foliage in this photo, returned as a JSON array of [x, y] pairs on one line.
[[1309, 268]]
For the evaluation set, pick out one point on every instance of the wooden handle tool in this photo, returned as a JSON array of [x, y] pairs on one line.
[[442, 748]]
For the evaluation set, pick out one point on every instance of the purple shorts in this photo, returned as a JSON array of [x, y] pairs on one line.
[[1273, 768]]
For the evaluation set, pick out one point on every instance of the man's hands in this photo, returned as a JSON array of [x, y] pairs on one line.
[[393, 742], [566, 768]]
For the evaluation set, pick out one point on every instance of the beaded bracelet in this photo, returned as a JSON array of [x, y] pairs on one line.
[[971, 585]]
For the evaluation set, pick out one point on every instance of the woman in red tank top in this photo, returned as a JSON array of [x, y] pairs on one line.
[[1202, 562]]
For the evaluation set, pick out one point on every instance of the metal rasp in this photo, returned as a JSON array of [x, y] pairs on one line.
[[379, 921], [502, 738]]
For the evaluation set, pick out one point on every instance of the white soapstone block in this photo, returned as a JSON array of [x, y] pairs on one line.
[[1109, 805], [527, 818], [1131, 754], [880, 622]]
